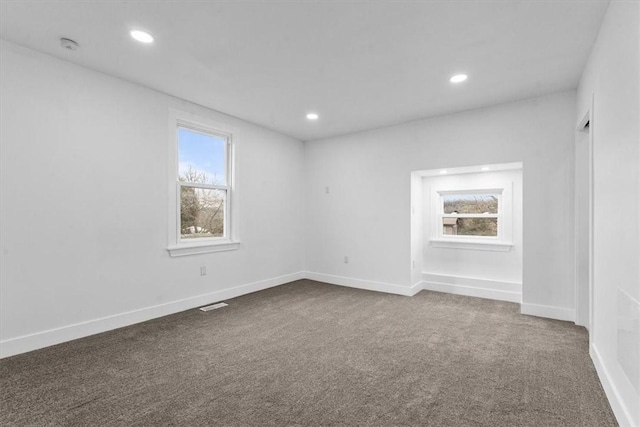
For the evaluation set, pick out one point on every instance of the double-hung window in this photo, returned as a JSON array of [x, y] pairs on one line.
[[203, 191], [202, 183], [478, 218], [470, 214]]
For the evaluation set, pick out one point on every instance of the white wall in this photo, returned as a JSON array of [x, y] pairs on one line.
[[487, 265], [366, 214], [417, 216], [84, 205], [84, 202], [611, 80]]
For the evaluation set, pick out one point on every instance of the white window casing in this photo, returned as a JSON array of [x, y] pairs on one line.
[[178, 246], [502, 242]]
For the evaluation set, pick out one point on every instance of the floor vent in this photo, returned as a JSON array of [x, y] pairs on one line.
[[213, 306]]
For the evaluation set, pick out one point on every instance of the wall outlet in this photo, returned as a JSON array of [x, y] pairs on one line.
[[413, 263], [203, 270], [346, 260], [326, 190]]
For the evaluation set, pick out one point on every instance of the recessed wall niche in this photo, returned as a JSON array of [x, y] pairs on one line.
[[466, 230]]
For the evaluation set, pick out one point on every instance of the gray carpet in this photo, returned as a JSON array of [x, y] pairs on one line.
[[308, 353]]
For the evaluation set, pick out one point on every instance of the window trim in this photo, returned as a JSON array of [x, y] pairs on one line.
[[500, 243], [177, 246], [195, 127]]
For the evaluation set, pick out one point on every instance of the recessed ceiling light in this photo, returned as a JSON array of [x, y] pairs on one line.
[[312, 116], [141, 36], [486, 168], [458, 78], [443, 171]]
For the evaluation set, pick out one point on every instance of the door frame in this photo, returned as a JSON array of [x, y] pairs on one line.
[[586, 126]]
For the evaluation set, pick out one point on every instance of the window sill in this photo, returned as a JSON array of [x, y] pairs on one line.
[[202, 248], [472, 245]]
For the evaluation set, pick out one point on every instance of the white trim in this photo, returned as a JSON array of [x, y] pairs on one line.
[[472, 291], [622, 413], [203, 248], [473, 287], [470, 169], [479, 245], [503, 242], [582, 128], [201, 185], [548, 311], [437, 232], [591, 221], [231, 239], [42, 339], [474, 282], [369, 285]]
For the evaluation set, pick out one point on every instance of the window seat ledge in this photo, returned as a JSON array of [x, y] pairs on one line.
[[202, 248], [472, 245]]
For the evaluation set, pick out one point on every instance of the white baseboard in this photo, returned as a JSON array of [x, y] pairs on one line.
[[551, 312], [622, 413], [505, 292], [50, 337], [364, 284], [473, 287]]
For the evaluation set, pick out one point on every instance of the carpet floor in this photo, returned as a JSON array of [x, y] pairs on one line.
[[308, 354]]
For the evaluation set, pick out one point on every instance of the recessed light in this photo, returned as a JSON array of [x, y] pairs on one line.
[[141, 36], [312, 116], [443, 172], [486, 168], [458, 78]]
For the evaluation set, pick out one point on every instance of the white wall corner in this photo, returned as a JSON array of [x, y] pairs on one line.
[[23, 344], [417, 287], [550, 312], [620, 410]]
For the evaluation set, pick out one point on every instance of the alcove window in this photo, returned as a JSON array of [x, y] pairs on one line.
[[470, 214], [472, 218]]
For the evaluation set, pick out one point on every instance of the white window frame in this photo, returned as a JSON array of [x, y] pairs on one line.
[[229, 241], [502, 242]]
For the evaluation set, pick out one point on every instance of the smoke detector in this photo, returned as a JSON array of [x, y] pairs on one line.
[[68, 44]]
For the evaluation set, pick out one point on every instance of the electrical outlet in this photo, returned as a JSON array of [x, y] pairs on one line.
[[203, 270], [346, 260], [326, 190], [413, 263]]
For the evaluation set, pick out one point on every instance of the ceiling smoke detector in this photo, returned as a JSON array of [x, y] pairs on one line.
[[69, 44]]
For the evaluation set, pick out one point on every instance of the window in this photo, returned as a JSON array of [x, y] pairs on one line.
[[202, 183], [201, 180], [470, 214], [476, 218]]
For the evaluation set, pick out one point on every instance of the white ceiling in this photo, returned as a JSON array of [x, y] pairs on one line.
[[360, 65]]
